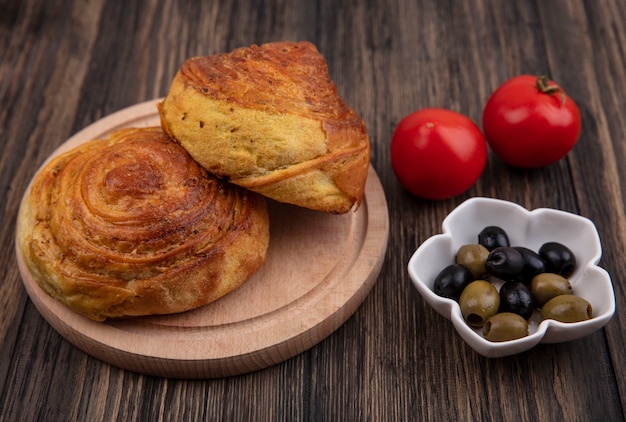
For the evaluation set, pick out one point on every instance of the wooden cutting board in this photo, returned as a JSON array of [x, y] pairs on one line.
[[319, 269]]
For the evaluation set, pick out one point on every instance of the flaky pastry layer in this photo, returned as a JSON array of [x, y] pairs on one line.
[[132, 225], [269, 118]]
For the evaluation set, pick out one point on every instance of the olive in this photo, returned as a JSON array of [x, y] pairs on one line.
[[492, 237], [559, 258], [473, 257], [545, 286], [533, 264], [567, 308], [505, 326], [479, 301], [516, 297], [504, 262], [451, 281]]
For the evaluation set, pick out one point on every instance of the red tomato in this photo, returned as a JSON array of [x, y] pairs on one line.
[[530, 122], [437, 153]]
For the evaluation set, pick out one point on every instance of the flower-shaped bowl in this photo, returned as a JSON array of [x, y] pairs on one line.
[[524, 228]]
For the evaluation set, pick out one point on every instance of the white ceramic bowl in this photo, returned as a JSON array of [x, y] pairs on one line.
[[525, 228]]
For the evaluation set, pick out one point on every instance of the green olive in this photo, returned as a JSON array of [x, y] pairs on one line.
[[545, 286], [479, 300], [505, 326], [567, 308], [473, 257]]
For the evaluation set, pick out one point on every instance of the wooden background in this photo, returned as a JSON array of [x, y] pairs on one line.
[[65, 64]]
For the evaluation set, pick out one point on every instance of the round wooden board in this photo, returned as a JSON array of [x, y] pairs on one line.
[[319, 269]]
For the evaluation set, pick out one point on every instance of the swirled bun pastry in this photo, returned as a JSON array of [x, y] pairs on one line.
[[269, 118], [132, 225]]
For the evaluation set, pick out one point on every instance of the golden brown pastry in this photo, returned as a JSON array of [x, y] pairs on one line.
[[269, 119], [131, 225]]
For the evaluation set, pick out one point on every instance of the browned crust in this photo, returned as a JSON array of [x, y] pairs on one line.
[[276, 79], [131, 225]]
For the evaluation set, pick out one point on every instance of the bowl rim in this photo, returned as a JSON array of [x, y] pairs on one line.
[[547, 331]]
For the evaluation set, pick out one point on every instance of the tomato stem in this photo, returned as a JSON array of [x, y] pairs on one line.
[[543, 85]]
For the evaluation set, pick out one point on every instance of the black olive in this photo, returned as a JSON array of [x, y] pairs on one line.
[[559, 258], [533, 264], [451, 281], [492, 237], [504, 262], [516, 297]]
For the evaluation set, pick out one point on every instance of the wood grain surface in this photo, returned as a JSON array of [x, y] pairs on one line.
[[65, 63]]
